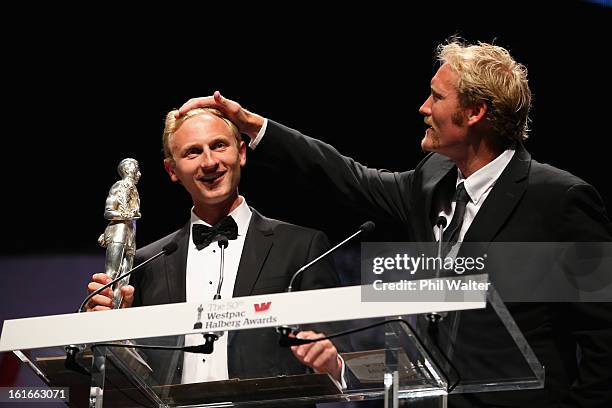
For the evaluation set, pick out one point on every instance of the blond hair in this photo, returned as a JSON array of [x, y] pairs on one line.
[[488, 73], [172, 124]]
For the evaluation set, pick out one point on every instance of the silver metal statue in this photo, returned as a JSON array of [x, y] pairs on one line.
[[119, 238]]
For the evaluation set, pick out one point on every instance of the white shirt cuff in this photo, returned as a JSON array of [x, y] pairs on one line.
[[342, 385], [254, 142]]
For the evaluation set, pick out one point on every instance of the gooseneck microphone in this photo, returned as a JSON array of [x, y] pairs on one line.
[[223, 243], [366, 228], [294, 341], [73, 349], [211, 337], [441, 222], [166, 250]]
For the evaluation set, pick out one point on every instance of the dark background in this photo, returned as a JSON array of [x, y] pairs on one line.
[[85, 88], [85, 94]]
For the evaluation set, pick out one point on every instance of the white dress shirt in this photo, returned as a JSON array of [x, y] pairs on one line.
[[255, 141], [478, 187], [202, 278]]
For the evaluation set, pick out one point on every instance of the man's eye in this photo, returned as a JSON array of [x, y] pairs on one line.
[[219, 145], [192, 152]]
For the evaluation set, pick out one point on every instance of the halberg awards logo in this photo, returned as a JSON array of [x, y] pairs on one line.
[[262, 307]]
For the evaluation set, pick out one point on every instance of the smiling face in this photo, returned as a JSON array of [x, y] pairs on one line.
[[206, 160], [447, 131]]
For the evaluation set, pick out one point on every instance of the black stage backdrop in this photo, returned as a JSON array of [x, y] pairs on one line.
[[83, 89], [88, 92]]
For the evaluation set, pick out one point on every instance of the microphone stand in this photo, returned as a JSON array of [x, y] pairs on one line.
[[73, 350], [435, 317], [70, 363], [365, 227], [223, 243], [294, 341], [166, 250], [211, 337], [284, 331]]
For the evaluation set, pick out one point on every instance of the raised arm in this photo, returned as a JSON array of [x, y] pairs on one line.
[[378, 192]]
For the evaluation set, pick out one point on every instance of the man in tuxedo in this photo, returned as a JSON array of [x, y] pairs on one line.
[[477, 119], [205, 153]]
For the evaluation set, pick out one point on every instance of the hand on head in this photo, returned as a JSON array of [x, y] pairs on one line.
[[104, 299], [321, 356], [247, 122]]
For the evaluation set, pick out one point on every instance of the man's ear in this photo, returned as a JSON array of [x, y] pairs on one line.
[[477, 112], [242, 148], [169, 166]]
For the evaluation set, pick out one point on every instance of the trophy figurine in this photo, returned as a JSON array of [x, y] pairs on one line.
[[119, 238]]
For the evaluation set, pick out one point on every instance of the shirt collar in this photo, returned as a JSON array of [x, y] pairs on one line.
[[482, 180], [241, 214]]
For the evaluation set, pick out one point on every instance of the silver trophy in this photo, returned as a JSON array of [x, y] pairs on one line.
[[119, 238]]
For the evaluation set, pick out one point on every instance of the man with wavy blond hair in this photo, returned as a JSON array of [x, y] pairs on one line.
[[480, 178]]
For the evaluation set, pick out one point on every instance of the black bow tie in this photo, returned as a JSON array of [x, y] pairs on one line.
[[204, 235]]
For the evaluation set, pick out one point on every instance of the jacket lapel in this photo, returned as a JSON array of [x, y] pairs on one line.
[[257, 245], [432, 175], [176, 267], [502, 199]]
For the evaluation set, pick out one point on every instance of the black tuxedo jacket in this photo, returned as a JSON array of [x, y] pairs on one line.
[[272, 252], [530, 202]]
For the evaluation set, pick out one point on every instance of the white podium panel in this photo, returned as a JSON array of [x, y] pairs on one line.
[[247, 312]]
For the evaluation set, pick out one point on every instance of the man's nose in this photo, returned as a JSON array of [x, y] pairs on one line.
[[208, 160], [425, 108]]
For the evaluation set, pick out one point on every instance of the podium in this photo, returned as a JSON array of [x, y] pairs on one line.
[[424, 351]]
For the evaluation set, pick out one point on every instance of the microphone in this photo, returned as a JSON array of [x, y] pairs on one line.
[[223, 243], [294, 341], [201, 349], [435, 317], [441, 224], [365, 228], [211, 337], [73, 349], [166, 250]]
